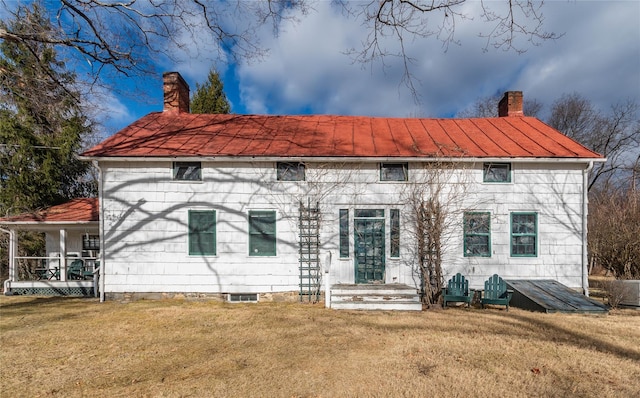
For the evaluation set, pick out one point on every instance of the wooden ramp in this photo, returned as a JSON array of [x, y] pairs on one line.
[[386, 297], [551, 296]]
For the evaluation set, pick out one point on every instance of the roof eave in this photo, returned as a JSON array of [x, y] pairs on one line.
[[343, 159]]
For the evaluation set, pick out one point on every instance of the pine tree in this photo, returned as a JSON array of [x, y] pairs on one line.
[[210, 97], [42, 124]]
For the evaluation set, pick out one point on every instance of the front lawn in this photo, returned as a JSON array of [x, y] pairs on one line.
[[72, 347]]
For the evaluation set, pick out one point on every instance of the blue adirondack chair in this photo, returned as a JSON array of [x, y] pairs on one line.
[[457, 291], [496, 292]]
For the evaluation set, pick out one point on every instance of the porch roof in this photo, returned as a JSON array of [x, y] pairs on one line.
[[76, 211], [174, 134]]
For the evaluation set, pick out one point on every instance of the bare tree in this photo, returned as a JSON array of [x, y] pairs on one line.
[[434, 199], [488, 107], [614, 233], [615, 135]]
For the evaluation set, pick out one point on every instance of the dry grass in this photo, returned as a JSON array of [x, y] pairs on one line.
[[170, 348]]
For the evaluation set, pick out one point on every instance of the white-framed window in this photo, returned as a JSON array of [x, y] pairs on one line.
[[394, 171], [187, 171], [290, 171], [496, 172]]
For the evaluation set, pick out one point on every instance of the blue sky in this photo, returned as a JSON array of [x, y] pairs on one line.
[[307, 71]]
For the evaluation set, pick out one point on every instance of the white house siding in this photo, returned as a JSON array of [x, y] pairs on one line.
[[145, 224]]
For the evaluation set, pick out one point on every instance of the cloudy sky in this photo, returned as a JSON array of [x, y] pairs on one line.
[[307, 71]]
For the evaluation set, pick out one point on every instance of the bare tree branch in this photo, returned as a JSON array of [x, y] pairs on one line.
[[127, 36]]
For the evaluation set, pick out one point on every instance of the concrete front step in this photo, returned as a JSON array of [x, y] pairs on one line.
[[375, 297]]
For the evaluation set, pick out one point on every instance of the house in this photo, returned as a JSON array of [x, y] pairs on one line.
[[253, 206]]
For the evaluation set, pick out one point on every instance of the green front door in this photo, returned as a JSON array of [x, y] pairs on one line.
[[369, 248]]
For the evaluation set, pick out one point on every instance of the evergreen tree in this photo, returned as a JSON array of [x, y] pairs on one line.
[[42, 124], [210, 97]]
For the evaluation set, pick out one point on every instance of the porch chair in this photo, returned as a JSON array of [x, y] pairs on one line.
[[75, 270], [457, 291], [496, 292]]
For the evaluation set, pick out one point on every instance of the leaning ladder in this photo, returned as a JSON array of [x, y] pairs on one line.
[[309, 250]]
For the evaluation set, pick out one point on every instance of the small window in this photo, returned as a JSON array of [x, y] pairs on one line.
[[344, 233], [369, 213], [202, 232], [496, 172], [394, 171], [524, 234], [243, 297], [91, 242], [477, 235], [394, 234], [262, 233], [290, 171], [187, 171]]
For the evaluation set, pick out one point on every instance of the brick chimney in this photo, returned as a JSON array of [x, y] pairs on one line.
[[176, 93], [511, 104]]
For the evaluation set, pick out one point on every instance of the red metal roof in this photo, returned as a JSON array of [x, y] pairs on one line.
[[172, 134], [76, 210]]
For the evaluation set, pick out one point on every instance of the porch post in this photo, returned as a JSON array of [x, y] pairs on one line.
[[12, 259], [13, 248], [63, 254]]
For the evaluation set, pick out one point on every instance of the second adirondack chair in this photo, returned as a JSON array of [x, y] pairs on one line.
[[457, 291], [496, 292]]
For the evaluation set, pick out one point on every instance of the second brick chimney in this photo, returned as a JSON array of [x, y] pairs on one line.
[[176, 93], [511, 104]]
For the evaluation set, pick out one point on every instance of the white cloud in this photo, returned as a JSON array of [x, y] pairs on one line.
[[307, 72]]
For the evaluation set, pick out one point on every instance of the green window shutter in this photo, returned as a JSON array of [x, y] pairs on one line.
[[477, 234], [262, 233], [524, 234], [394, 234], [344, 233], [202, 232]]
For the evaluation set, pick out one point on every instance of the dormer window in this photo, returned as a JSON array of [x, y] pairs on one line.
[[394, 171], [187, 171], [290, 171], [496, 172]]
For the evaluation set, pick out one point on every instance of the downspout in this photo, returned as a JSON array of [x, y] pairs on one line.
[[585, 213], [100, 231], [7, 283]]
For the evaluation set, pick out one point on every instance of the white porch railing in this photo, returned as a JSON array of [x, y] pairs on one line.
[[49, 268]]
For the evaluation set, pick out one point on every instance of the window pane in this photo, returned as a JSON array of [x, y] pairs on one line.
[[202, 232], [524, 234], [187, 171], [90, 242], [344, 233], [477, 234], [497, 172], [290, 171], [262, 233], [476, 245], [393, 172], [362, 213], [395, 233]]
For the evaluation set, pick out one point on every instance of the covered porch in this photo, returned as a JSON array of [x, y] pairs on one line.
[[69, 263]]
